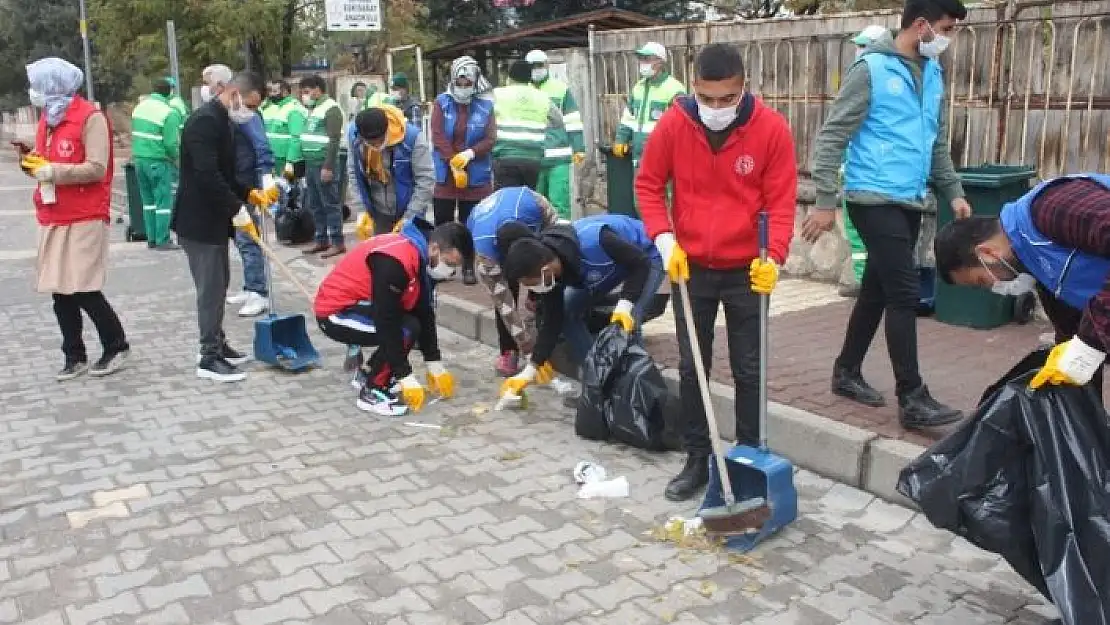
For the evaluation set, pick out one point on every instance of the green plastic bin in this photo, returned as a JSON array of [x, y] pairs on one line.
[[136, 227], [619, 179], [988, 189]]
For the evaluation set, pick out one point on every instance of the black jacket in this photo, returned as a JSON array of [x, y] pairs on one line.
[[208, 195]]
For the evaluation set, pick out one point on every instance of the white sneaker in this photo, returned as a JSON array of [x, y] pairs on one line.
[[238, 298], [254, 305]]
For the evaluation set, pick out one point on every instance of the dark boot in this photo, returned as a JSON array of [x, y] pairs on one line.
[[850, 384], [918, 409], [689, 482], [468, 276]]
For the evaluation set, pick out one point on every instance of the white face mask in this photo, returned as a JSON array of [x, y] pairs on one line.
[[37, 99], [545, 285], [716, 119], [462, 94], [1021, 284], [936, 47], [242, 114], [206, 93], [647, 70], [441, 272], [307, 100], [539, 75]]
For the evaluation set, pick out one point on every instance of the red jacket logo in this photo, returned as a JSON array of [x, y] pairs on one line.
[[65, 148], [744, 165]]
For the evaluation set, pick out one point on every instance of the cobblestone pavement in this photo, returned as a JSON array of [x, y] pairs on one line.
[[151, 497]]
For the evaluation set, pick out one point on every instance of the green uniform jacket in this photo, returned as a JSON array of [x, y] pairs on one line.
[[524, 116], [179, 104], [560, 144], [285, 121], [646, 104], [156, 129], [322, 133]]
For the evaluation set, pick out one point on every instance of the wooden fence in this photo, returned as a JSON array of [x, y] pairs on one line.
[[1026, 83]]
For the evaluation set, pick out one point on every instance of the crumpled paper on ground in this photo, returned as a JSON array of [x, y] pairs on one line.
[[592, 476]]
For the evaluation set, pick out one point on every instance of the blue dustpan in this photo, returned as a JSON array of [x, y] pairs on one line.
[[282, 341], [761, 482]]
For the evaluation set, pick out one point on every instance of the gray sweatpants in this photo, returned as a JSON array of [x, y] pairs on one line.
[[211, 269]]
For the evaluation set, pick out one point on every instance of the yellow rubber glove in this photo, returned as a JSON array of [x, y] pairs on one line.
[[364, 227], [397, 226], [462, 159], [674, 257], [412, 393], [1071, 362], [31, 163], [516, 384], [263, 197], [578, 158], [764, 275], [620, 150], [242, 220], [440, 380], [545, 373], [622, 316], [461, 177]]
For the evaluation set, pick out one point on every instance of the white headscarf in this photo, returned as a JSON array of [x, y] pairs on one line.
[[58, 81], [467, 67]]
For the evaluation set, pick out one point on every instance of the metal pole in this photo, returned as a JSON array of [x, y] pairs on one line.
[[171, 42], [420, 74], [84, 24]]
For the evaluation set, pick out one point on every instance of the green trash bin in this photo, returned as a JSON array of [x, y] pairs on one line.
[[988, 189], [619, 180], [136, 227]]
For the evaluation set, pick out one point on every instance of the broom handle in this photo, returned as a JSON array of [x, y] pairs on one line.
[[764, 314], [285, 269], [706, 400]]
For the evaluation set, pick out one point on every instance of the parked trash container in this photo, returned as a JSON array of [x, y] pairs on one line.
[[988, 189], [136, 228], [619, 179]]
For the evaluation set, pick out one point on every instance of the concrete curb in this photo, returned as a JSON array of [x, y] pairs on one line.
[[842, 452]]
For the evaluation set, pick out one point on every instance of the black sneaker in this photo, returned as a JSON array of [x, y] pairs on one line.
[[381, 401], [219, 369], [231, 355], [918, 409], [110, 363], [851, 385], [72, 369]]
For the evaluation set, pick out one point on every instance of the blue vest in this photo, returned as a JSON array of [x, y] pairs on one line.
[[600, 273], [480, 170], [505, 205], [892, 152], [400, 168], [1073, 277]]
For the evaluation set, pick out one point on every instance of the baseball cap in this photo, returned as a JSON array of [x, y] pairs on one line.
[[400, 80], [536, 56], [652, 48], [869, 35]]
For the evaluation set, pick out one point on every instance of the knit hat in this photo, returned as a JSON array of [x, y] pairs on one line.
[[520, 71], [400, 80], [372, 124]]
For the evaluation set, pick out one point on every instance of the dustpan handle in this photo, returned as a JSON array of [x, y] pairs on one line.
[[764, 323], [286, 270], [264, 235]]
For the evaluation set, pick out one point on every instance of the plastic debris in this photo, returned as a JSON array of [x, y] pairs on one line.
[[429, 426], [510, 401], [588, 472], [687, 534], [562, 386], [610, 488]]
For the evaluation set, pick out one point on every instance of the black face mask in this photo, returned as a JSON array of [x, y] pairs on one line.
[[276, 98]]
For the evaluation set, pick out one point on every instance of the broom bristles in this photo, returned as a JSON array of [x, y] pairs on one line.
[[743, 517]]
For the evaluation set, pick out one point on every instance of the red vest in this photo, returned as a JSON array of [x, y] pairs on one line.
[[63, 144], [349, 282]]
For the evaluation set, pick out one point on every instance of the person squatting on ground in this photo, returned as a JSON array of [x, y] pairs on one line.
[[155, 144], [1055, 240], [463, 133], [72, 162], [320, 140], [525, 119], [390, 165], [382, 294], [896, 142], [208, 209], [568, 267], [728, 157], [515, 336]]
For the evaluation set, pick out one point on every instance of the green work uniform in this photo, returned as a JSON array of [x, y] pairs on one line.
[[155, 141], [378, 98], [646, 103], [561, 144], [859, 250], [314, 137], [522, 113], [285, 121], [179, 105]]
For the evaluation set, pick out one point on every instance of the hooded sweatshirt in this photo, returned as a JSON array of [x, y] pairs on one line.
[[851, 108], [379, 178], [562, 240]]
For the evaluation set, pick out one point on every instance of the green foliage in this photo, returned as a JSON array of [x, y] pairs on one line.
[[30, 30], [546, 10], [812, 7]]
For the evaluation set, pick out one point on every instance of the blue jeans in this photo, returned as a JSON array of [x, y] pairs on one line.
[[577, 304], [254, 262], [322, 198]]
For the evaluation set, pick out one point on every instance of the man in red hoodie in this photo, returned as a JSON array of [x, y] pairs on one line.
[[727, 157]]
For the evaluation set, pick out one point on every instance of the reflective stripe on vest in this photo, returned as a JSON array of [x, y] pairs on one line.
[[522, 113], [314, 139], [147, 121], [1072, 276], [892, 152]]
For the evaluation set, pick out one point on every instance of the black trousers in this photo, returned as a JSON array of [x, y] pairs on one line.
[[513, 172], [445, 210], [890, 287], [67, 308], [355, 326], [709, 289], [1065, 322]]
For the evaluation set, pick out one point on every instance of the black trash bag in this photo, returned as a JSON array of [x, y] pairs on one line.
[[1028, 478], [293, 223], [623, 393]]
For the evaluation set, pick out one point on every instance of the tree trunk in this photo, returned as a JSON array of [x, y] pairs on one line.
[[287, 22]]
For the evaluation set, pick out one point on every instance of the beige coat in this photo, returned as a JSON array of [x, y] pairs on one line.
[[74, 258]]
